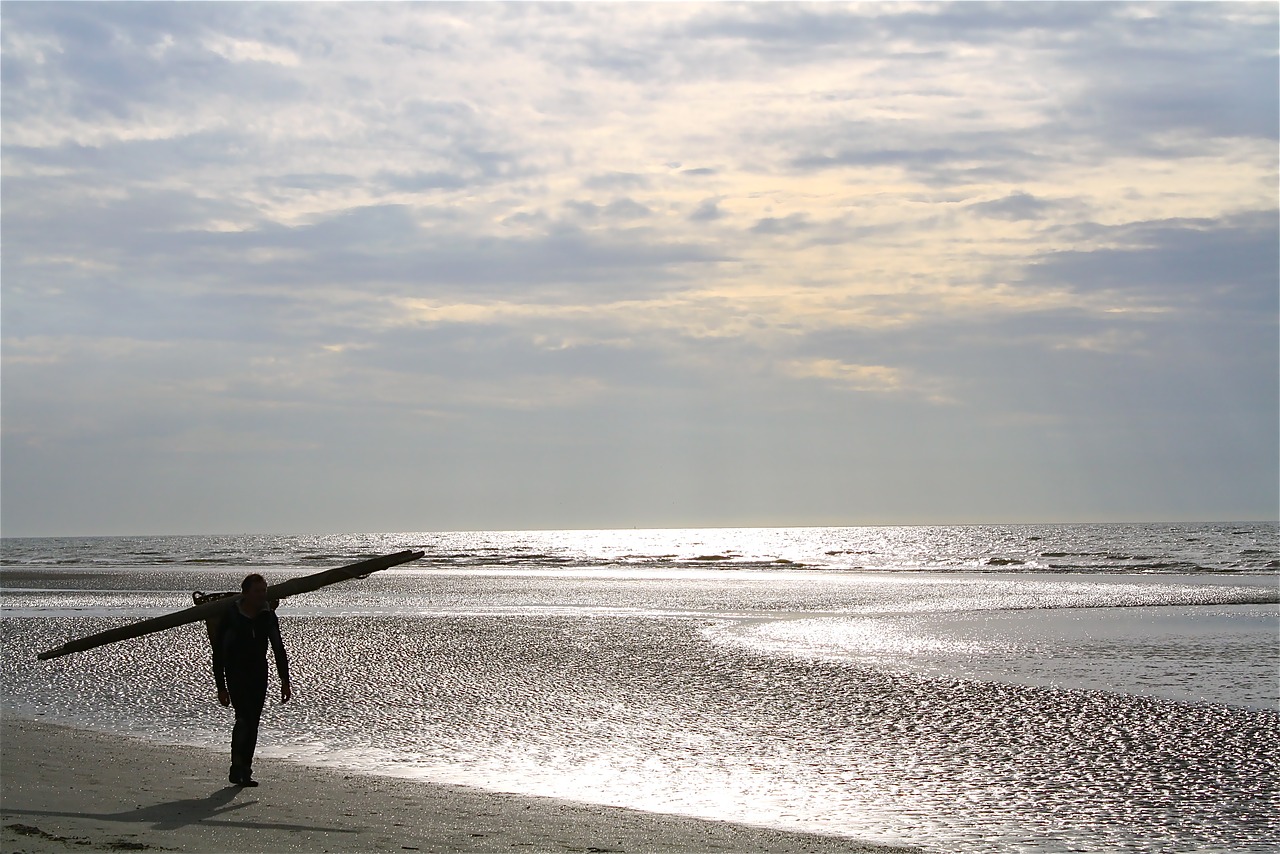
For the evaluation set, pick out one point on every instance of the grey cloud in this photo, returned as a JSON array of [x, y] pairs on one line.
[[1159, 365], [416, 182], [1132, 81], [626, 209], [789, 224], [1015, 206], [618, 209], [151, 240], [373, 228], [801, 32], [86, 23], [425, 40], [1214, 265], [110, 309], [975, 157], [122, 162], [617, 181], [719, 40], [221, 154], [562, 258], [461, 353], [538, 219], [494, 163], [837, 232], [878, 157], [583, 210], [982, 23], [311, 181], [384, 247], [789, 29], [147, 225], [1190, 68], [1211, 93], [708, 211], [807, 32], [106, 67], [432, 111], [625, 61]]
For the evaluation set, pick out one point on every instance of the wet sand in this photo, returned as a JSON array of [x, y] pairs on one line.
[[63, 789]]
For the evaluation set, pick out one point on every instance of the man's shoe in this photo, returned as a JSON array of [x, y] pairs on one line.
[[241, 776]]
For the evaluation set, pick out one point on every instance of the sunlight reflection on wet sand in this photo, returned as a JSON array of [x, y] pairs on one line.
[[1214, 653], [693, 692]]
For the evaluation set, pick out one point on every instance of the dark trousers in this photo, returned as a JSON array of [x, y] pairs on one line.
[[248, 690]]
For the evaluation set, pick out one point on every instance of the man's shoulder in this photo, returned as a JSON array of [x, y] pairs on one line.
[[223, 618]]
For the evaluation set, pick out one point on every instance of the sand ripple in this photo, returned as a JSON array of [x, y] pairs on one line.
[[646, 711]]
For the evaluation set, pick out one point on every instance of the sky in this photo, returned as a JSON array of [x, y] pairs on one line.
[[294, 267]]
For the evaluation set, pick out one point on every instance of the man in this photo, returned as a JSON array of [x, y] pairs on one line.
[[240, 669]]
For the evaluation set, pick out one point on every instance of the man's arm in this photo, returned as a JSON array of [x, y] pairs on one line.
[[220, 653], [282, 658]]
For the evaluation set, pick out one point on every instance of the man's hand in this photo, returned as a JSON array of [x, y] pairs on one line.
[[224, 698], [285, 692]]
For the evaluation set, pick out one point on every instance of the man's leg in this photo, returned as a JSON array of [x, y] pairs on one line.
[[248, 696]]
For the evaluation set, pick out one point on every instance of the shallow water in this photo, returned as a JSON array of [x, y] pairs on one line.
[[1234, 547], [998, 712], [1195, 653]]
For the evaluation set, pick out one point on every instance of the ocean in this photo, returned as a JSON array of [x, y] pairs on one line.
[[1037, 688]]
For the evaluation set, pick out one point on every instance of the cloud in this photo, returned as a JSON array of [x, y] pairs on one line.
[[245, 50], [617, 181], [418, 181], [1110, 341], [859, 377], [789, 224], [510, 230], [707, 211], [1015, 206], [1203, 265], [617, 210]]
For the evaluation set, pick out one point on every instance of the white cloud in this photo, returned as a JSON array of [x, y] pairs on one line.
[[857, 377], [1110, 341], [247, 50], [877, 379]]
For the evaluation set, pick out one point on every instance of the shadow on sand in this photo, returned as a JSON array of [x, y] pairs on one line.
[[173, 815]]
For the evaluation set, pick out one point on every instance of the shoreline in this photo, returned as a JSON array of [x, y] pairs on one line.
[[65, 789]]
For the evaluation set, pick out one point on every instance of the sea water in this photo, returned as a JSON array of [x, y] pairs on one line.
[[1015, 688]]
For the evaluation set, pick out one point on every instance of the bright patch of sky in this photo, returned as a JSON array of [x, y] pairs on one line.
[[342, 267]]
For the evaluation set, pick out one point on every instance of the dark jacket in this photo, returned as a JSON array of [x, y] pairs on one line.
[[240, 645]]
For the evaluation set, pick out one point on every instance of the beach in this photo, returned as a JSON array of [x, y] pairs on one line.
[[67, 789], [575, 691]]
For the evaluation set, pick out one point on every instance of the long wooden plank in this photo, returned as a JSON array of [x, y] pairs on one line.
[[292, 587]]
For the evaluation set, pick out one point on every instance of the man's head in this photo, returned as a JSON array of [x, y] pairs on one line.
[[254, 588]]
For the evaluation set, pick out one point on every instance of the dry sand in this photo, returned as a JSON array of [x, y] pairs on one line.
[[64, 789]]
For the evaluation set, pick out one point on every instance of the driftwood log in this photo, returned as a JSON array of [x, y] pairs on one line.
[[212, 604]]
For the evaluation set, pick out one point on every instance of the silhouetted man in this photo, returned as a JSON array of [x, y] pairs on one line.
[[240, 669]]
